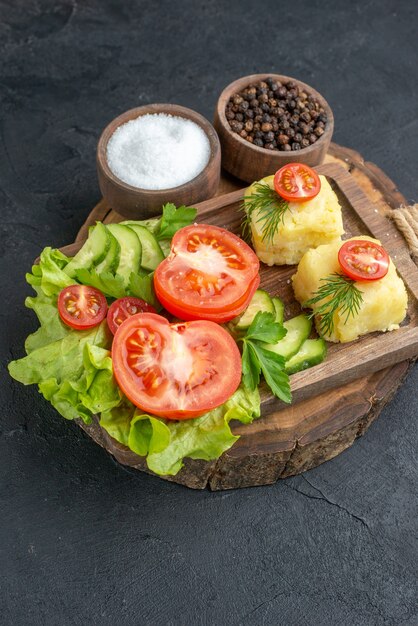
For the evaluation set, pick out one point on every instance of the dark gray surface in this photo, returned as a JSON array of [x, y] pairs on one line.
[[82, 540]]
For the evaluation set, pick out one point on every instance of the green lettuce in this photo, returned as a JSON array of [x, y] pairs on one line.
[[73, 369], [166, 443]]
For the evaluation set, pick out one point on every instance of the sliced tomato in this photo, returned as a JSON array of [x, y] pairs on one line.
[[296, 182], [220, 317], [81, 307], [361, 259], [177, 371], [123, 308], [209, 274]]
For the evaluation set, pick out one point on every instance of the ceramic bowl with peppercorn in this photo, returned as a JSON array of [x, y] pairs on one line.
[[267, 120]]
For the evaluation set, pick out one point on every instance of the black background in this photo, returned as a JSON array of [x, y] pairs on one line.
[[84, 541]]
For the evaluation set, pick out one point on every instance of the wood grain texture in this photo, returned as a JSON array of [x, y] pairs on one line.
[[250, 162], [291, 440]]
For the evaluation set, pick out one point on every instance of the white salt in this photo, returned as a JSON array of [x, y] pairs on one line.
[[158, 151]]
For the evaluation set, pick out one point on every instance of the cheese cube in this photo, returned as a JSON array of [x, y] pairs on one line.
[[305, 225], [384, 301]]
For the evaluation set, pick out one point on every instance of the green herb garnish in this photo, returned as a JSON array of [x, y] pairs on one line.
[[257, 359], [270, 207], [173, 219], [339, 293]]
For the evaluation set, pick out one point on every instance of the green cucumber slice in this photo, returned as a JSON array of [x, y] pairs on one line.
[[261, 301], [298, 329], [279, 309], [311, 352], [130, 250], [152, 255], [93, 251], [111, 260]]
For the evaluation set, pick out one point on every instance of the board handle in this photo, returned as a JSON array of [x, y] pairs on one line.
[[406, 221]]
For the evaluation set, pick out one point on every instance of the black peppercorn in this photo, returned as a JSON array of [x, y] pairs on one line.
[[275, 116], [236, 126], [282, 139]]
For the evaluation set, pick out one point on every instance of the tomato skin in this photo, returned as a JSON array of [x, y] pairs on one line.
[[220, 317], [123, 308], [176, 371], [81, 307], [297, 182], [208, 274], [361, 259]]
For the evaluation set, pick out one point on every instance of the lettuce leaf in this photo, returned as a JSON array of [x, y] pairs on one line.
[[166, 443], [73, 369]]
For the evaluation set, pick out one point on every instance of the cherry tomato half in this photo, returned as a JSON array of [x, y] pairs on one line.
[[209, 274], [296, 182], [123, 308], [81, 307], [361, 259], [177, 371]]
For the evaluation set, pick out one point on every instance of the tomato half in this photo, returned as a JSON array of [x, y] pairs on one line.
[[123, 308], [81, 307], [177, 371], [296, 182], [209, 274], [219, 317], [361, 259]]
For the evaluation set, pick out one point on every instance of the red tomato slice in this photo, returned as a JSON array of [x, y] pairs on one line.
[[208, 274], [296, 182], [123, 308], [81, 307], [219, 317], [363, 260], [176, 371]]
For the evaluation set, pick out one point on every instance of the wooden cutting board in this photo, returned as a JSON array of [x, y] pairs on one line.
[[334, 402]]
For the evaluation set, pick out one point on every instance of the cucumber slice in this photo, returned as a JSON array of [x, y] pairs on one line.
[[130, 250], [298, 329], [279, 309], [93, 251], [111, 260], [261, 301], [152, 255], [312, 352]]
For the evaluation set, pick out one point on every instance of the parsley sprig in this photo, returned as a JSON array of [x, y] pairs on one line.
[[257, 359], [271, 209], [338, 293], [173, 219]]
